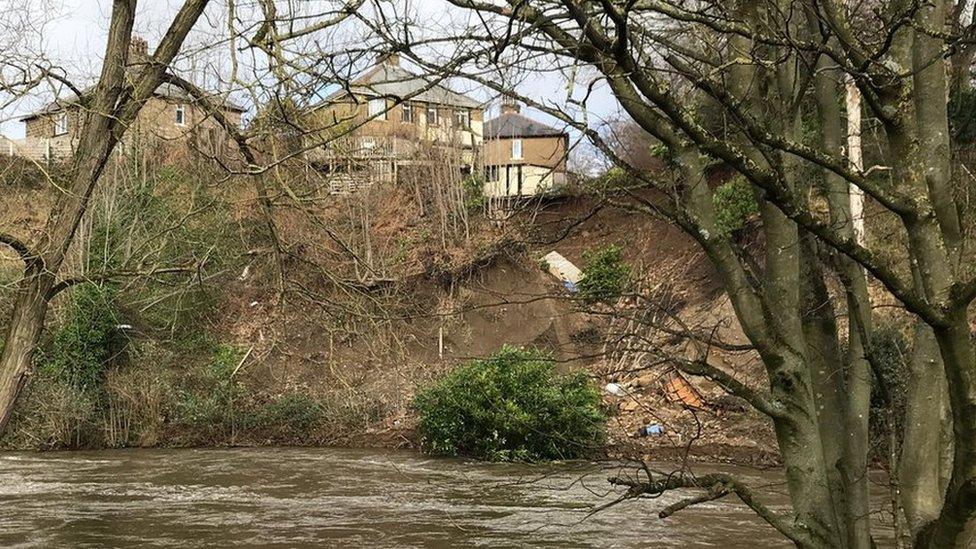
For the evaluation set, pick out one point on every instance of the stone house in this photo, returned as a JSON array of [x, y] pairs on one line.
[[389, 119], [171, 122], [523, 157]]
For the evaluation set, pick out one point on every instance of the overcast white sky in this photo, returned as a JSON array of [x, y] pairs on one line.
[[73, 34]]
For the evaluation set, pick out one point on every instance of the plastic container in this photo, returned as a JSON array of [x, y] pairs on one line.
[[652, 430]]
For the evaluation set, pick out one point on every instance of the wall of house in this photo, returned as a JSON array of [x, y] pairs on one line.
[[157, 119], [40, 143], [549, 152], [535, 180], [43, 126], [349, 113]]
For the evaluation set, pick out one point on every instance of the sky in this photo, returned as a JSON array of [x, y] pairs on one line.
[[73, 33]]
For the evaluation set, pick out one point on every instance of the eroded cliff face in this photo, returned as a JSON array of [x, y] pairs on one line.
[[320, 332]]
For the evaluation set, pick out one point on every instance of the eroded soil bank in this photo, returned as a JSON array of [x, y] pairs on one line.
[[368, 297]]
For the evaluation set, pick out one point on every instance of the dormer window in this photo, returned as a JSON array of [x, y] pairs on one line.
[[462, 119], [61, 123], [377, 108], [180, 115], [432, 118]]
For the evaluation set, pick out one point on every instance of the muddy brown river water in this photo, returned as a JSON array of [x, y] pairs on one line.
[[345, 498]]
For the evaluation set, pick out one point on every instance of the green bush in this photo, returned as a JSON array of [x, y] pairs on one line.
[[614, 179], [734, 203], [165, 216], [605, 275], [512, 406], [474, 192], [86, 340], [207, 398], [292, 416]]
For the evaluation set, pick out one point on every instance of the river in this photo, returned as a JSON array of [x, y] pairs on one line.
[[283, 497]]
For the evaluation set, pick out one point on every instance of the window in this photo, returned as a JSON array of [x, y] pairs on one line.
[[406, 113], [491, 173], [377, 108], [516, 149], [432, 118], [462, 119], [61, 123], [181, 115]]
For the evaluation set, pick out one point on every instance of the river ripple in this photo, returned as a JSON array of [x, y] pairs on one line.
[[278, 497]]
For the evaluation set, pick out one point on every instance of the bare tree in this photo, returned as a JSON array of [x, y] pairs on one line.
[[766, 71], [114, 103]]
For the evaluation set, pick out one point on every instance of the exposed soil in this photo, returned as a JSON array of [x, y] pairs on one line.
[[512, 301], [449, 302]]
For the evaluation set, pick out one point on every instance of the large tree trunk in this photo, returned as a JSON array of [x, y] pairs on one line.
[[925, 404], [957, 519], [97, 141], [798, 428], [827, 376], [111, 109], [855, 382], [26, 323], [942, 354]]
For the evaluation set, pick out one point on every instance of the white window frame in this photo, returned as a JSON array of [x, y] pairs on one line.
[[516, 149], [433, 120], [61, 123], [462, 117], [180, 115], [406, 114], [376, 108]]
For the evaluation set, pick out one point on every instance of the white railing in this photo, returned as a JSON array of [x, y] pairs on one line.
[[367, 147], [37, 148]]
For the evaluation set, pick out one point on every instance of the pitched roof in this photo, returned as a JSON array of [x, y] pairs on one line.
[[515, 125], [165, 90], [389, 80]]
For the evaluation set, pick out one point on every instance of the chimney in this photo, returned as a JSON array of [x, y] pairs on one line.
[[389, 59], [138, 50], [510, 105]]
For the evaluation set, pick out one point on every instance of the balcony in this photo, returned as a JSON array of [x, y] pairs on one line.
[[363, 148]]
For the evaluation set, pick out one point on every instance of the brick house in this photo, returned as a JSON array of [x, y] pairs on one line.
[[523, 157], [170, 121], [389, 119]]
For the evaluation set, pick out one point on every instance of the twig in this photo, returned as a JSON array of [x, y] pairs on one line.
[[241, 363], [18, 246], [717, 491], [101, 277]]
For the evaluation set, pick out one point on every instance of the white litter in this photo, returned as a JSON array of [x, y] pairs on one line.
[[562, 268]]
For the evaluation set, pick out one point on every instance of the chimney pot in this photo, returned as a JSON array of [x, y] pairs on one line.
[[138, 49], [510, 106]]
